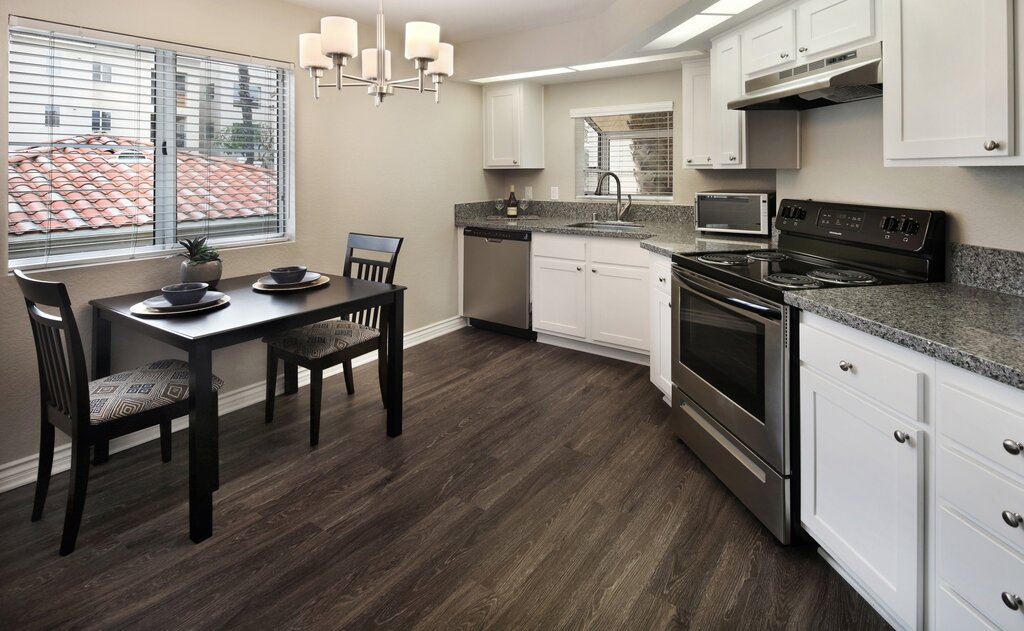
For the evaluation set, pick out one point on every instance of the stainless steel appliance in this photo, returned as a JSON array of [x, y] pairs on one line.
[[734, 340], [853, 75], [496, 280], [735, 212]]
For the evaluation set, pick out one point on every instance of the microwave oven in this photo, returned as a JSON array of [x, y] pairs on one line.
[[734, 212]]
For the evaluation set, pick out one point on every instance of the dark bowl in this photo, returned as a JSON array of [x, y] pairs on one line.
[[184, 293], [290, 274]]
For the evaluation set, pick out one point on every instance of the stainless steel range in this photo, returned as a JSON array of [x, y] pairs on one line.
[[734, 340]]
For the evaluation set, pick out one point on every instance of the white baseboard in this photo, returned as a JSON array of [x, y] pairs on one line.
[[595, 349], [23, 471]]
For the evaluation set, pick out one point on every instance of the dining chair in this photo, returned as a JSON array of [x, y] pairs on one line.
[[326, 344], [91, 412]]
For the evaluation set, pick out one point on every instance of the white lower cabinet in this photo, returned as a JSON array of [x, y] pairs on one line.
[[593, 290], [661, 324]]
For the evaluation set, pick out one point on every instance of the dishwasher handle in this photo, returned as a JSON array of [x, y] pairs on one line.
[[496, 236]]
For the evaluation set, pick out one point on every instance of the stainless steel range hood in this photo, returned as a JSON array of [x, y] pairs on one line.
[[851, 76]]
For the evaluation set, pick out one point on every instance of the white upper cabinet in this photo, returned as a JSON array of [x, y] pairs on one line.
[[726, 85], [514, 126], [828, 25], [769, 42], [697, 128], [949, 82]]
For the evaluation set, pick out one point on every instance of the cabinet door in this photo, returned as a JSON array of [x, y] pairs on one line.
[[697, 120], [502, 124], [861, 491], [948, 84], [824, 25], [619, 306], [726, 85], [559, 296], [661, 343], [769, 43]]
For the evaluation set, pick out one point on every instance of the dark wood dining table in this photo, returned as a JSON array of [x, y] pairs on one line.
[[250, 315]]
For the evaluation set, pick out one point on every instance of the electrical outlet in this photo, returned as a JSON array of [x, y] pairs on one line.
[[528, 192], [554, 192]]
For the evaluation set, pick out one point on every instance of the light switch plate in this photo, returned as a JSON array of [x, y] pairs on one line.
[[554, 192], [528, 192]]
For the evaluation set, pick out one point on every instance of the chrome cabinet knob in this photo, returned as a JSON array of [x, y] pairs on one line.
[[901, 437], [579, 269], [732, 158], [709, 158], [1012, 601], [689, 161], [1012, 519], [1012, 447], [802, 49], [515, 162], [845, 366], [991, 145], [593, 270], [783, 55], [661, 279]]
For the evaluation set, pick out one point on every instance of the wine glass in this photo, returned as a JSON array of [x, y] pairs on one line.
[[524, 203], [499, 205]]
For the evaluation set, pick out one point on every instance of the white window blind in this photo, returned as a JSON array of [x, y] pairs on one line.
[[119, 149], [633, 142]]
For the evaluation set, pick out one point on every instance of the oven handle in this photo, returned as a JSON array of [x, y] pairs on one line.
[[737, 303]]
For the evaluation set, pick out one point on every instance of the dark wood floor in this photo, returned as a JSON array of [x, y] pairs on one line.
[[534, 487]]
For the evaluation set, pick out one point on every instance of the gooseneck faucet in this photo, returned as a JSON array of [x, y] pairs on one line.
[[619, 210]]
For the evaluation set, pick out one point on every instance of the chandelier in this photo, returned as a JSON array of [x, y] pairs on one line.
[[338, 41]]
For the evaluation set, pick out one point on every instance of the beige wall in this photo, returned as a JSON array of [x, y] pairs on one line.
[[842, 161], [559, 137], [395, 170]]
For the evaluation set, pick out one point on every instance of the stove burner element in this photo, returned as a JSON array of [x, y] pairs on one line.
[[724, 259], [768, 255], [843, 276], [792, 281]]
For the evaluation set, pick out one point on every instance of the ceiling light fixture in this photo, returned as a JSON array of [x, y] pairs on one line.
[[524, 75], [730, 7], [338, 41], [636, 60], [707, 19]]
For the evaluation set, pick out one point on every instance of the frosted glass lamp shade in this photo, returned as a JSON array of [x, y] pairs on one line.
[[339, 36], [422, 40], [445, 62], [310, 54], [370, 64]]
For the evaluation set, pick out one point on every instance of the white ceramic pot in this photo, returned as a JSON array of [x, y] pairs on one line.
[[208, 272]]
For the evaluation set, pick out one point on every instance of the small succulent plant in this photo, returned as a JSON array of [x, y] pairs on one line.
[[196, 251]]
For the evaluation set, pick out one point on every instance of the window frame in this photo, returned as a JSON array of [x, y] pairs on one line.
[[165, 226]]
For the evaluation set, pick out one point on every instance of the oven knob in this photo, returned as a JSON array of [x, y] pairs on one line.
[[910, 226], [891, 223], [801, 213], [786, 211]]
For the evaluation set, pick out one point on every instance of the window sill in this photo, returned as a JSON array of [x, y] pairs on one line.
[[636, 199]]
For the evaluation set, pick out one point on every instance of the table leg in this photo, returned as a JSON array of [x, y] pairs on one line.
[[202, 443], [100, 368], [396, 325]]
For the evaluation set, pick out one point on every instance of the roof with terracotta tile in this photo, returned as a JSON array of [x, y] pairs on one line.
[[101, 181]]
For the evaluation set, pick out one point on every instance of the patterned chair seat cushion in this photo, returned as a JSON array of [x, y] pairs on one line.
[[323, 338], [145, 388]]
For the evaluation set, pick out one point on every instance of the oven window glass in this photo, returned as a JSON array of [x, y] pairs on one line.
[[731, 213], [725, 349]]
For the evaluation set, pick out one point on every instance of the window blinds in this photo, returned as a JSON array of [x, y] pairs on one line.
[[120, 149], [634, 145]]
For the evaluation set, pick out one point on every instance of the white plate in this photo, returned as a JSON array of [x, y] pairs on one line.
[[140, 309], [259, 286], [308, 279], [159, 303]]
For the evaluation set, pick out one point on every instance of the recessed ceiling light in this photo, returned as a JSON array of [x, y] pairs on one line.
[[524, 75], [686, 31], [636, 60], [730, 7]]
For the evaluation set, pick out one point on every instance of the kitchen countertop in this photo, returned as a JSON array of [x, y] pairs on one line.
[[976, 329], [661, 237]]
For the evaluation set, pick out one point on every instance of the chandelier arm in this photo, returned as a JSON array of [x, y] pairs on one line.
[[401, 81], [415, 87]]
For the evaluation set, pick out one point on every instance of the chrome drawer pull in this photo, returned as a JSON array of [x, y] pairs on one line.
[[1012, 447], [845, 366], [901, 437], [1012, 519], [1012, 601]]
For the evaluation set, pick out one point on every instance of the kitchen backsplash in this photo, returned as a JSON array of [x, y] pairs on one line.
[[583, 211], [987, 268]]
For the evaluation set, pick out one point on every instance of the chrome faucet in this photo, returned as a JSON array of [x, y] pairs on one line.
[[619, 210]]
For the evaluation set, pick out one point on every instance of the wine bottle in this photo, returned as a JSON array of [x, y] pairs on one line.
[[512, 207]]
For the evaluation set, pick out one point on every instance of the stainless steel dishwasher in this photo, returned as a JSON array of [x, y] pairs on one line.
[[496, 280]]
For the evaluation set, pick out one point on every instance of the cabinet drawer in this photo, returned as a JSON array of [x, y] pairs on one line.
[[893, 384], [982, 425], [661, 274], [617, 251], [952, 614], [560, 246], [979, 569], [981, 495]]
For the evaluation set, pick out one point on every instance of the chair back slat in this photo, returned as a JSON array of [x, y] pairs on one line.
[[377, 270], [63, 380]]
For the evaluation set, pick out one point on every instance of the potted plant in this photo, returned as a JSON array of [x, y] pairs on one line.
[[202, 263]]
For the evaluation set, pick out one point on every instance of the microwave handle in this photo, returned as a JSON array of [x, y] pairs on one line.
[[737, 303]]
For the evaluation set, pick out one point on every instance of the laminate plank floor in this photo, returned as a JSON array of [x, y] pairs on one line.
[[534, 487]]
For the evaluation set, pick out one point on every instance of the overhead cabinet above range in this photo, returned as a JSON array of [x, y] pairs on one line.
[[514, 126]]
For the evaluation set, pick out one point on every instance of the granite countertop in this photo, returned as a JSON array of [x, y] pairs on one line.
[[661, 237], [976, 329]]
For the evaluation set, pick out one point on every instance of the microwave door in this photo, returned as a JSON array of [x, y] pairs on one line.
[[741, 214]]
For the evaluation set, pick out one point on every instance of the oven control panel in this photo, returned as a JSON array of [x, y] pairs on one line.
[[897, 228]]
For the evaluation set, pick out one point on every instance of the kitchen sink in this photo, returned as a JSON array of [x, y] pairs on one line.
[[624, 226]]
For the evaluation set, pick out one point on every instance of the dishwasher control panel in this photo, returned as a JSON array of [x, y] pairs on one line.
[[492, 233]]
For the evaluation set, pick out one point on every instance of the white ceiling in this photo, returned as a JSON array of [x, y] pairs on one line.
[[463, 20]]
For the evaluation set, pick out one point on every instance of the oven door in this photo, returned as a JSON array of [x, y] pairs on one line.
[[729, 356]]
